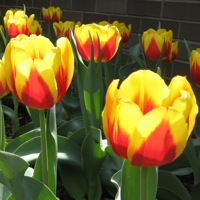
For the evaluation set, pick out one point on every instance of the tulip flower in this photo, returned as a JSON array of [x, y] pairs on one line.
[[51, 14], [109, 38], [149, 128], [37, 72], [154, 41], [34, 28], [64, 27], [16, 22], [195, 66], [173, 53], [4, 89], [124, 30]]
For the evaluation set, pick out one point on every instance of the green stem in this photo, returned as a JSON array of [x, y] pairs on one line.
[[44, 151], [2, 129], [144, 183], [91, 191], [16, 106]]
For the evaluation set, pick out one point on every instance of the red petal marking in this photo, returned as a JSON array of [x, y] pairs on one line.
[[145, 102], [108, 50], [36, 93], [118, 140], [158, 149], [83, 49], [195, 72], [153, 51]]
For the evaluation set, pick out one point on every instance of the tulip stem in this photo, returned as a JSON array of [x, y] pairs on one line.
[[2, 129], [16, 119], [143, 183], [44, 151]]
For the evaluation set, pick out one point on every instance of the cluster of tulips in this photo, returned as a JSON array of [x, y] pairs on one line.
[[144, 120]]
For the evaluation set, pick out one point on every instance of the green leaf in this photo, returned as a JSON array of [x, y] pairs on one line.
[[196, 192], [70, 126], [93, 155], [33, 113], [17, 142], [12, 170], [170, 187], [188, 47], [71, 169], [81, 74], [190, 154], [4, 192]]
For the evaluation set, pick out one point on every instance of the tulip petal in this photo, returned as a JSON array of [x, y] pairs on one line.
[[36, 85], [159, 138], [140, 86]]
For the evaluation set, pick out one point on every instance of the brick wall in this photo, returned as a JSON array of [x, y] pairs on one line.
[[182, 16]]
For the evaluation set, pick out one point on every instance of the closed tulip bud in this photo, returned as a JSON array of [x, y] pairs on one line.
[[51, 14], [4, 89], [34, 28], [109, 38], [195, 66], [172, 54], [15, 23], [154, 41], [38, 73], [64, 27], [124, 30], [149, 128]]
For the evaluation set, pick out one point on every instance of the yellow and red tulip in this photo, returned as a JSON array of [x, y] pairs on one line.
[[109, 38], [51, 14], [34, 28], [4, 89], [37, 72], [153, 41], [124, 30], [195, 66], [64, 27], [16, 22], [146, 127], [172, 54]]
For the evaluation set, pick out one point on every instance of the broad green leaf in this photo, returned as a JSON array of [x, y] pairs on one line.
[[170, 187], [12, 170], [116, 180], [4, 192], [195, 194], [81, 74], [33, 113], [190, 154], [20, 140], [70, 126], [71, 169], [24, 129], [93, 155]]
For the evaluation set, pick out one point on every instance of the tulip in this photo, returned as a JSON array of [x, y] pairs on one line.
[[34, 28], [51, 14], [124, 30], [37, 72], [109, 38], [64, 27], [154, 41], [173, 53], [4, 89], [145, 127], [195, 66], [15, 22]]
